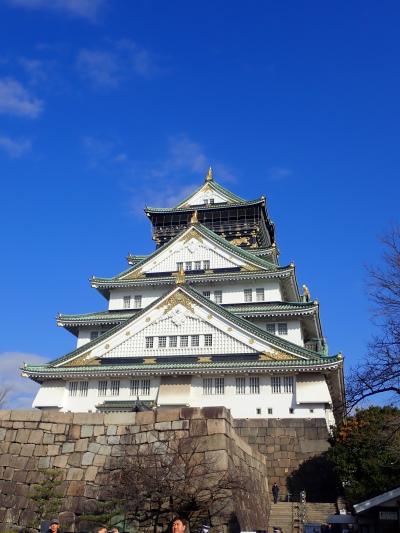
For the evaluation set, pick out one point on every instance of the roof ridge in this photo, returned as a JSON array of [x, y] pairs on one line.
[[215, 185]]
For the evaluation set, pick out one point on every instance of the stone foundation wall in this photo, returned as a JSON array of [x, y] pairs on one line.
[[286, 443], [86, 447]]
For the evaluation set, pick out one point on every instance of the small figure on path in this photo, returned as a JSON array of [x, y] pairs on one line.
[[275, 492]]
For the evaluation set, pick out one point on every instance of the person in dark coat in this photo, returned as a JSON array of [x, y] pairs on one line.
[[275, 492]]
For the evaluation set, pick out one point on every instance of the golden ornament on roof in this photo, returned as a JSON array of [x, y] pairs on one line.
[[209, 176], [181, 278], [194, 218]]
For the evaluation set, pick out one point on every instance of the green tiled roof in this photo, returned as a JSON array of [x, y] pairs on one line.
[[207, 233], [203, 207], [107, 317], [203, 367], [218, 188]]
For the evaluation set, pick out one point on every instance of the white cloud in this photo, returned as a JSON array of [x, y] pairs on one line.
[[122, 60], [16, 100], [35, 69], [100, 68], [15, 147], [279, 173], [21, 390], [88, 9]]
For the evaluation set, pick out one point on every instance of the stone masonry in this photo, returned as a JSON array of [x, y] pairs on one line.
[[85, 446], [286, 443]]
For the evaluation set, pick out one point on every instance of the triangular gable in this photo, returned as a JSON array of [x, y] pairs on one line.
[[210, 191], [184, 312], [197, 243]]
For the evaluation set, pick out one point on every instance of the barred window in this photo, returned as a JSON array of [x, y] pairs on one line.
[[208, 340], [94, 335], [195, 340], [288, 384], [255, 385], [207, 294], [269, 410], [115, 387], [197, 265], [134, 387], [219, 386], [138, 301], [218, 297], [271, 328], [211, 200], [149, 342], [248, 295], [127, 302], [162, 342], [260, 295], [102, 388], [282, 329], [73, 388], [188, 265], [207, 386], [83, 388], [206, 264], [184, 341], [173, 341], [240, 385], [145, 387], [276, 385]]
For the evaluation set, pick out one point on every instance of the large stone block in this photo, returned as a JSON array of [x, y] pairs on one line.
[[86, 431], [82, 445], [29, 415], [55, 417], [198, 427], [119, 419], [76, 488], [4, 415], [75, 474], [36, 436], [87, 458], [27, 450], [89, 419], [145, 417]]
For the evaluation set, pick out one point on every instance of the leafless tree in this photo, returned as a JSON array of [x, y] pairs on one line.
[[3, 396], [380, 371], [176, 477]]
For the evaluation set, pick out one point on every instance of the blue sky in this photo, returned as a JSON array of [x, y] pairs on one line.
[[106, 106]]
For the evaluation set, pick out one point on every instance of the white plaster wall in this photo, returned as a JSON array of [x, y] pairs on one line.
[[198, 199], [241, 405], [232, 292], [50, 394], [294, 335]]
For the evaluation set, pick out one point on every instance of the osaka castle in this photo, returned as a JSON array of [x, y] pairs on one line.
[[209, 318]]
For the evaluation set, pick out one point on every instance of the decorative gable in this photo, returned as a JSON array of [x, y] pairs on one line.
[[179, 324], [206, 195]]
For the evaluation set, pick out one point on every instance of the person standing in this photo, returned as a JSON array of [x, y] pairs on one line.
[[275, 492]]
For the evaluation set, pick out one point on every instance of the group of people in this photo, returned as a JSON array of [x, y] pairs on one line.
[[178, 525]]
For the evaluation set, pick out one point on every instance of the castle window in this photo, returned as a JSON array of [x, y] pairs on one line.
[[149, 342], [258, 411], [219, 386], [248, 295], [211, 200], [102, 388], [206, 264], [127, 302], [260, 295], [255, 385], [207, 386], [115, 387], [282, 329], [218, 297], [94, 335], [138, 301], [208, 340], [270, 410], [291, 410], [240, 385], [173, 341], [73, 388], [188, 265], [207, 294], [276, 385], [184, 341], [145, 387], [197, 265], [288, 384], [83, 388], [134, 387], [271, 328], [195, 340], [162, 342]]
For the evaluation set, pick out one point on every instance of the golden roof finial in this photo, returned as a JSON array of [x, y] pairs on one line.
[[209, 176], [181, 278], [306, 293], [194, 218]]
